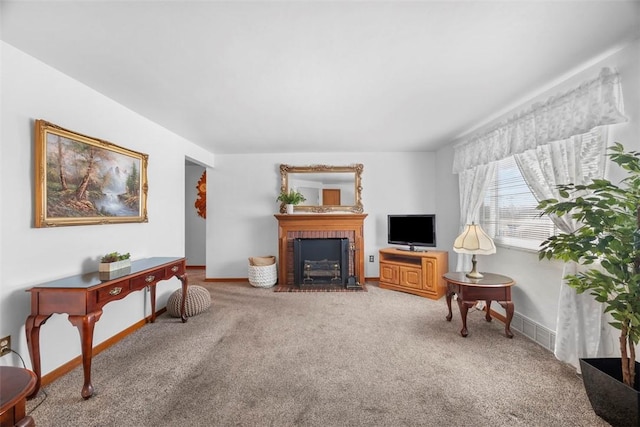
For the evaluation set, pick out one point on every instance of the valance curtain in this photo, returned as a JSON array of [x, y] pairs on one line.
[[594, 103]]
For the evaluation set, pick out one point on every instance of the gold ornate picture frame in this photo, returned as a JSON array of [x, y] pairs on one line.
[[80, 180], [320, 177]]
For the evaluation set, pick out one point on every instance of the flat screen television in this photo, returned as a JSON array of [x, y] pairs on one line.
[[412, 230]]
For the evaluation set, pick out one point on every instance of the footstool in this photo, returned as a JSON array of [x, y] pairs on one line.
[[198, 300]]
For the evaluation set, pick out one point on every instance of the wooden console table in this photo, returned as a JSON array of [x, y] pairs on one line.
[[492, 287], [82, 298], [17, 383]]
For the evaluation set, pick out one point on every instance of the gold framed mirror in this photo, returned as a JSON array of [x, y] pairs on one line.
[[326, 188]]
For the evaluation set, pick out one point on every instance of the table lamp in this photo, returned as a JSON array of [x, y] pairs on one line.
[[474, 241]]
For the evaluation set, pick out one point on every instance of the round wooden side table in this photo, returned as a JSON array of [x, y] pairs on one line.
[[17, 383], [492, 287]]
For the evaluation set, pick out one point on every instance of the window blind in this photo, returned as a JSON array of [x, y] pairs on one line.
[[509, 213]]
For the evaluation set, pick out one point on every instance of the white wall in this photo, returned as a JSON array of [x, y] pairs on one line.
[[195, 226], [536, 293], [243, 191], [448, 203], [33, 90]]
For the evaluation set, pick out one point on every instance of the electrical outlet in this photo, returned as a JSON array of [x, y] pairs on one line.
[[5, 345], [371, 258]]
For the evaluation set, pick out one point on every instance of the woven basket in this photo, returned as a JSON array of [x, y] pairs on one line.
[[262, 260], [263, 276]]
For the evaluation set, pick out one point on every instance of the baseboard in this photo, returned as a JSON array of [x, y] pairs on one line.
[[77, 361], [530, 329], [196, 267], [534, 331]]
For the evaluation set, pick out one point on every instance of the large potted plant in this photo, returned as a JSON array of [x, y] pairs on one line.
[[607, 241], [290, 199]]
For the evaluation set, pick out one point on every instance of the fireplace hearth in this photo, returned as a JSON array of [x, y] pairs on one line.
[[322, 226], [320, 261]]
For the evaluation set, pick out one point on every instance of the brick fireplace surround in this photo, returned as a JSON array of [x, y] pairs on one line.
[[317, 225]]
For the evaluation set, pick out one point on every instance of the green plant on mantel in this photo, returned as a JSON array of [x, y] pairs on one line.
[[114, 256], [609, 234], [291, 198]]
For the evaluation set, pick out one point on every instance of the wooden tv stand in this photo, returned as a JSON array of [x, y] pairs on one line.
[[418, 273]]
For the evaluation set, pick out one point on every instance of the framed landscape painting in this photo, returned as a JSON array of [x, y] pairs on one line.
[[82, 180]]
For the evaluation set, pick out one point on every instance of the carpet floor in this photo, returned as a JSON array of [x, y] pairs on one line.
[[263, 358]]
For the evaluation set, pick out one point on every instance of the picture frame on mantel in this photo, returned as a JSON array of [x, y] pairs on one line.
[[81, 180]]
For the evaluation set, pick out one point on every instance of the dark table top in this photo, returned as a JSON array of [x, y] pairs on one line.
[[17, 383], [95, 278], [489, 279]]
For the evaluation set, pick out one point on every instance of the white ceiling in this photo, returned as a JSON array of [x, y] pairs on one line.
[[317, 76]]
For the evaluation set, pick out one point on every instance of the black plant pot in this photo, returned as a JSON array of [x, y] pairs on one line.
[[611, 399]]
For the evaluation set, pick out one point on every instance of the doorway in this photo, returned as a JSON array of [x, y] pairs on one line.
[[195, 225]]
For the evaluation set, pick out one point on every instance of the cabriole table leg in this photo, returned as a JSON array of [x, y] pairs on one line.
[[32, 329], [183, 305], [85, 325], [509, 308]]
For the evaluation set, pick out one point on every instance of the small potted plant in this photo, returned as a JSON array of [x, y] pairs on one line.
[[291, 199], [114, 261]]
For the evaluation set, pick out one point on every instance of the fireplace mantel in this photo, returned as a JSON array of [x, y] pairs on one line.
[[316, 225]]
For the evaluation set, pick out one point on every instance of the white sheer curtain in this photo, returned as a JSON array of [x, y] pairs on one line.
[[594, 103], [575, 160], [473, 184], [578, 160], [582, 328]]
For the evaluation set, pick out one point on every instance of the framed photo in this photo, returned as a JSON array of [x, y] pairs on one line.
[[82, 180]]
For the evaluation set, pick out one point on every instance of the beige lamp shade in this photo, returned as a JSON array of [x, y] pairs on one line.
[[474, 240]]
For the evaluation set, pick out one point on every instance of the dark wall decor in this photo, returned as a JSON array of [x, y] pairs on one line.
[[80, 180]]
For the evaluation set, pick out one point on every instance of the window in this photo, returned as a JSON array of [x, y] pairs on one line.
[[509, 213]]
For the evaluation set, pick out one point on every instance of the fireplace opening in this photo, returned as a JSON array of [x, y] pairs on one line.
[[320, 261]]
